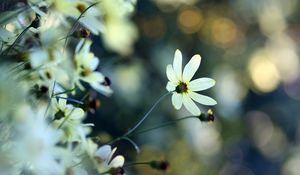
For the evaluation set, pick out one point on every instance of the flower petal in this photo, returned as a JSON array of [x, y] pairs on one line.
[[103, 152], [76, 114], [171, 86], [93, 62], [177, 64], [105, 90], [171, 74], [190, 105], [202, 99], [118, 161], [94, 77], [191, 68], [111, 155], [177, 100], [201, 84]]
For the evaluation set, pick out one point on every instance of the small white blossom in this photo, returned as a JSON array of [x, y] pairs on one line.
[[119, 33], [86, 64], [69, 119], [105, 153], [34, 146], [183, 88]]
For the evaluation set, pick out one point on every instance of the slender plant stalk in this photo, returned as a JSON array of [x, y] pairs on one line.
[[146, 115]]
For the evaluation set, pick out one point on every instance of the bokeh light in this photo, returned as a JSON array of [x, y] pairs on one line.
[[263, 72], [190, 20]]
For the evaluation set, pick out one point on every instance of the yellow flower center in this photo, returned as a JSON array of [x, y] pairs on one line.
[[181, 88]]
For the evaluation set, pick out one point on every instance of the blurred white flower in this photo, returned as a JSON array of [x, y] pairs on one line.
[[69, 119], [34, 146], [97, 160], [105, 153], [119, 32], [183, 88], [86, 63]]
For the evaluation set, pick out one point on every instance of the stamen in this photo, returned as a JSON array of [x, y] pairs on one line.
[[181, 88]]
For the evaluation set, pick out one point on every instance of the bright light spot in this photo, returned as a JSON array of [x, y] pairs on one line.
[[204, 137], [263, 72], [260, 126], [224, 31], [190, 20], [128, 82], [269, 139], [271, 22], [283, 53], [229, 81]]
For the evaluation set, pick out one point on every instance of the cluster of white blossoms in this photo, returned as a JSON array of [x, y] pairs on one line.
[[46, 63]]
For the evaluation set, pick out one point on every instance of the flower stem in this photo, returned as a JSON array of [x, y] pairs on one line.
[[137, 163], [125, 136], [146, 115], [161, 125]]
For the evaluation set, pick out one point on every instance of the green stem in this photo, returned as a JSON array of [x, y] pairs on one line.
[[161, 125], [146, 115], [136, 163]]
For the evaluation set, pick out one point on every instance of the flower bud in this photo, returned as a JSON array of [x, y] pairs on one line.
[[160, 165], [92, 103], [209, 117], [82, 33]]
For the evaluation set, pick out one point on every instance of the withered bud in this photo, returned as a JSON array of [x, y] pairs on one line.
[[160, 165], [82, 33], [208, 117], [92, 103], [81, 8]]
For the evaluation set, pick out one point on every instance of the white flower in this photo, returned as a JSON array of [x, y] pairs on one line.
[[183, 88], [105, 153], [69, 118], [86, 63], [99, 160], [119, 33], [34, 146]]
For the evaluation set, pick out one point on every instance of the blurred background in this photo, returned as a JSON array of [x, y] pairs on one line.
[[250, 48]]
